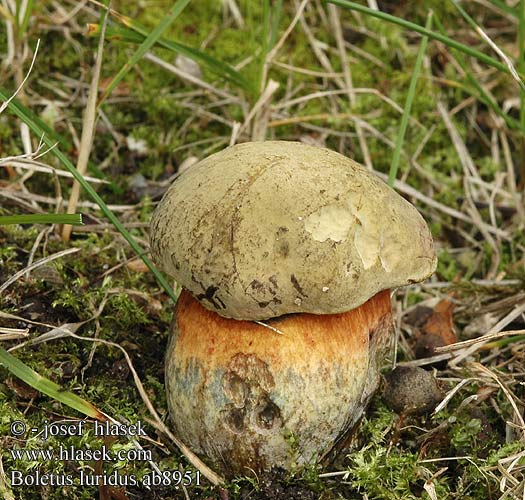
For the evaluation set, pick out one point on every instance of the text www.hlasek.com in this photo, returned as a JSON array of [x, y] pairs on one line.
[[64, 453]]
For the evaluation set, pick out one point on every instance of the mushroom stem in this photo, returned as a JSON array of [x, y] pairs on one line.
[[246, 399]]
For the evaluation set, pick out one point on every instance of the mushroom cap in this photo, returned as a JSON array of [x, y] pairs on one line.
[[263, 229]]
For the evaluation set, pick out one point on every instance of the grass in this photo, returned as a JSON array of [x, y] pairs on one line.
[[408, 106], [439, 120], [46, 386], [42, 219], [148, 42]]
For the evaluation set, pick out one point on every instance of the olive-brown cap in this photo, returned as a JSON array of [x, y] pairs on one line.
[[262, 229]]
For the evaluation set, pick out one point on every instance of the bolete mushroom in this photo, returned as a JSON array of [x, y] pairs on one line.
[[312, 242]]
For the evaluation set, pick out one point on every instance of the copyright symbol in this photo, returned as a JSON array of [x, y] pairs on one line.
[[18, 428]]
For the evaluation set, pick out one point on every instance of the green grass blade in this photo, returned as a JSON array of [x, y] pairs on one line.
[[46, 386], [27, 14], [150, 40], [408, 105], [498, 344], [20, 111], [449, 42], [73, 219], [276, 19], [116, 33], [521, 69], [136, 33], [261, 77]]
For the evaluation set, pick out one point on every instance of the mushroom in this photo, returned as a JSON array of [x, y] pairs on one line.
[[310, 241]]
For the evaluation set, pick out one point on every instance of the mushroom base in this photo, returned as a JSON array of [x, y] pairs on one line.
[[246, 398]]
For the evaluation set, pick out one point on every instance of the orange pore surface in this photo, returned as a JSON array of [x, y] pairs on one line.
[[203, 334]]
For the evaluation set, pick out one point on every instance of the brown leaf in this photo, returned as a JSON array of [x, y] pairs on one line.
[[437, 330], [441, 323]]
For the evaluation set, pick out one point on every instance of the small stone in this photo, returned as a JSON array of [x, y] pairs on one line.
[[188, 66], [49, 274], [411, 390], [139, 146]]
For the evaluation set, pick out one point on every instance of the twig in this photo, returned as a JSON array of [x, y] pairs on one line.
[[272, 328]]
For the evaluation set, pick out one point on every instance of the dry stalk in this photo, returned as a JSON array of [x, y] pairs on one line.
[[19, 199], [23, 81], [506, 59], [456, 214], [511, 397], [13, 333], [475, 344], [5, 489], [24, 163], [88, 128], [479, 340], [235, 12], [189, 77], [36, 264], [511, 178], [338, 34]]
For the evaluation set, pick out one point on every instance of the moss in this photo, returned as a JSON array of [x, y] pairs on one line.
[[448, 267], [383, 471]]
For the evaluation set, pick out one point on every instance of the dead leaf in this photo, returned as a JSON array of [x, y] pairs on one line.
[[437, 330], [137, 265]]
